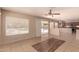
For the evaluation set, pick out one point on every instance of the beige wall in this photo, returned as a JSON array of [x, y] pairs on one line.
[[38, 27], [9, 39]]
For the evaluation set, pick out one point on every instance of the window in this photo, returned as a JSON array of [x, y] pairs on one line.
[[16, 25], [44, 27]]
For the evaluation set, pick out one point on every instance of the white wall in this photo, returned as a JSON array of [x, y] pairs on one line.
[[38, 27], [54, 31], [77, 34]]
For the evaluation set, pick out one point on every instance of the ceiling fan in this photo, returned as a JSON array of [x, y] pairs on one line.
[[51, 13]]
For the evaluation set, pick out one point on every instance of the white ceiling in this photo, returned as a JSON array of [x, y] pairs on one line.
[[66, 13]]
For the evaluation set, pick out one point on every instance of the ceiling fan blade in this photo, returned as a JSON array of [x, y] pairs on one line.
[[55, 13]]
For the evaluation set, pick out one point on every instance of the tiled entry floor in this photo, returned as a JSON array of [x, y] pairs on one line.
[[70, 45]]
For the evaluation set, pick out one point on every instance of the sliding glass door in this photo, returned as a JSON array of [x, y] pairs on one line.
[[44, 27]]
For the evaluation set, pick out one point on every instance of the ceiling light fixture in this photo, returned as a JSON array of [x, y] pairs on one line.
[[51, 13]]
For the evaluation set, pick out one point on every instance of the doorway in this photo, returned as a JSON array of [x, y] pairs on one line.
[[44, 27]]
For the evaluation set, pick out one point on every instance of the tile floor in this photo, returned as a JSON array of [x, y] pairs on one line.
[[71, 44]]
